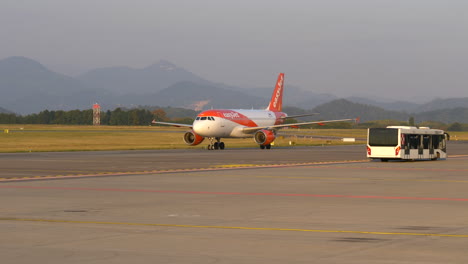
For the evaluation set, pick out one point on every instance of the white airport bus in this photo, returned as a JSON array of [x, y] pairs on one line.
[[406, 143]]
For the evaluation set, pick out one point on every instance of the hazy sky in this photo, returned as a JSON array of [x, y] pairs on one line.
[[388, 48]]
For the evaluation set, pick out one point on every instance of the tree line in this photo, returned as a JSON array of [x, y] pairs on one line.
[[116, 117], [143, 117]]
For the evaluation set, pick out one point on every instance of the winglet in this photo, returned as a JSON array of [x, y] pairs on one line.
[[276, 102]]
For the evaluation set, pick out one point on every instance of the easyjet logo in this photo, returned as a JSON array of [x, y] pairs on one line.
[[278, 92], [231, 115]]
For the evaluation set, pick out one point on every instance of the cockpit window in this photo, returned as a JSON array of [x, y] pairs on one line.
[[205, 118]]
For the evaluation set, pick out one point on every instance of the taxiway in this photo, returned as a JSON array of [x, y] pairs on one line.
[[289, 205]]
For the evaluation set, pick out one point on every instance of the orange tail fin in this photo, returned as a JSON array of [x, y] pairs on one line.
[[276, 102]]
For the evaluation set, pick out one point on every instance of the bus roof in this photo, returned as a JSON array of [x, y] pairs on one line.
[[403, 127], [415, 130]]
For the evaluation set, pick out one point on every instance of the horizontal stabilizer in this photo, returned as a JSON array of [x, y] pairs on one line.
[[295, 116]]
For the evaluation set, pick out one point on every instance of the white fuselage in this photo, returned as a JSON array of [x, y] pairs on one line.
[[226, 123]]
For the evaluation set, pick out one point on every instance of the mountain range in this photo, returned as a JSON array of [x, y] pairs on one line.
[[126, 80], [26, 86], [4, 111]]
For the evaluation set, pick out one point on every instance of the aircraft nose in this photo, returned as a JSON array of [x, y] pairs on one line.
[[199, 128]]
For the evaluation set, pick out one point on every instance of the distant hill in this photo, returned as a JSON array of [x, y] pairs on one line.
[[438, 104], [173, 112], [4, 111], [400, 106], [190, 95], [341, 108], [27, 86], [126, 80], [451, 115], [294, 96], [409, 107]]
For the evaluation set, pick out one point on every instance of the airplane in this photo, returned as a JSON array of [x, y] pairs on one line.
[[262, 125]]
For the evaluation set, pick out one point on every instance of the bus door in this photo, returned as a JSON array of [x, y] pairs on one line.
[[406, 145], [443, 142], [426, 140], [420, 147], [442, 145], [431, 146], [438, 145], [414, 142]]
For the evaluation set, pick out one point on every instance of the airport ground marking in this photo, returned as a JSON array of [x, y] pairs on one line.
[[213, 168], [239, 193], [389, 168], [322, 165], [231, 227], [356, 179], [335, 178], [458, 156]]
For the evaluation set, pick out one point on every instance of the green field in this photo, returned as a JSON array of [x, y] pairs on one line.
[[38, 138]]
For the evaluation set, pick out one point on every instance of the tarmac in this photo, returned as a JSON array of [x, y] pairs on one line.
[[285, 205]]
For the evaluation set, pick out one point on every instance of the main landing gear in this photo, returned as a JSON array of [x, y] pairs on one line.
[[265, 146], [216, 145]]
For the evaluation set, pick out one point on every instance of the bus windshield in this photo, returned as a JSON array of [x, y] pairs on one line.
[[385, 137]]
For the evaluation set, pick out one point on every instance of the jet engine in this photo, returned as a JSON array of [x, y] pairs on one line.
[[264, 137], [192, 139]]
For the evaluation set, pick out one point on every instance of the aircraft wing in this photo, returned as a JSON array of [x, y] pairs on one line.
[[253, 129], [171, 124], [294, 116]]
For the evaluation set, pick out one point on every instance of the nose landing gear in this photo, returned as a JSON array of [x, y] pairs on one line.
[[265, 146], [216, 145]]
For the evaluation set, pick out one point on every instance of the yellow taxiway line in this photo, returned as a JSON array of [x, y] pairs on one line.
[[212, 168], [232, 227]]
